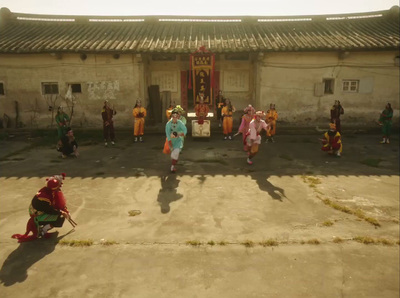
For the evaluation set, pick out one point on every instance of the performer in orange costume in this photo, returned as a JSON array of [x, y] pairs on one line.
[[271, 117], [139, 113], [201, 109], [227, 124]]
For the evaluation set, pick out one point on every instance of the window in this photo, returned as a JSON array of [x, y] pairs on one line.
[[2, 88], [351, 85], [76, 88], [329, 85], [49, 88]]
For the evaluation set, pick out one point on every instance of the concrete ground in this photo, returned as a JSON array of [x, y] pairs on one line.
[[293, 224]]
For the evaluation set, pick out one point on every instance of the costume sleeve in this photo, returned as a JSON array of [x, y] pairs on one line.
[[43, 204], [196, 109], [242, 124], [253, 132], [168, 130], [135, 112], [182, 127], [104, 115], [224, 111]]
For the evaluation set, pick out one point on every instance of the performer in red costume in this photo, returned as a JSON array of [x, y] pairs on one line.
[[47, 210]]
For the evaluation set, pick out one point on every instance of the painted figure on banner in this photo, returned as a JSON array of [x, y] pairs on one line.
[[270, 118], [253, 137], [201, 109], [336, 111], [385, 120], [220, 102], [139, 114], [227, 114], [107, 113], [248, 115], [332, 141], [175, 130], [47, 210]]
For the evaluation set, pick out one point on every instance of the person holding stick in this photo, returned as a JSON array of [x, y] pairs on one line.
[[107, 114], [48, 209]]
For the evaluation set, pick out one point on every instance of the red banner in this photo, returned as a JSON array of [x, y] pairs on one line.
[[202, 64]]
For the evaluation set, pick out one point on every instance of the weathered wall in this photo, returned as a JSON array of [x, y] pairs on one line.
[[101, 77], [288, 80]]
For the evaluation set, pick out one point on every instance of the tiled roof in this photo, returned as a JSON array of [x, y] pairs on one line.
[[27, 33]]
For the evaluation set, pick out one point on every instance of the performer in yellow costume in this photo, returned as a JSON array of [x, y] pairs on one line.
[[227, 124], [270, 119], [139, 113]]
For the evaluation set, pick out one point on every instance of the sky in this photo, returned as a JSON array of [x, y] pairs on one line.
[[196, 8]]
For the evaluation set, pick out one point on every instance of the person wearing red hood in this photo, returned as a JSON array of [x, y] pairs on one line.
[[47, 210], [332, 142]]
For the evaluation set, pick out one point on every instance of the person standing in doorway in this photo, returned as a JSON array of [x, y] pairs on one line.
[[107, 114], [336, 111], [139, 113]]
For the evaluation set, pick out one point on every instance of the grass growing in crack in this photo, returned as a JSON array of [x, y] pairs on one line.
[[108, 242], [359, 213], [337, 240], [269, 242], [372, 162], [311, 181], [247, 243], [76, 243], [370, 240], [193, 242], [212, 243], [327, 223], [222, 243], [313, 241]]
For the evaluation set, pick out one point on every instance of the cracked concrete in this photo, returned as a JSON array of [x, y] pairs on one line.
[[215, 196]]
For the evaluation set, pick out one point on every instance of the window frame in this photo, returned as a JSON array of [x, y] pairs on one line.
[[331, 84], [51, 85], [349, 89]]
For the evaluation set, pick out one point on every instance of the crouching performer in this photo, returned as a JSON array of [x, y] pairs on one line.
[[332, 143], [253, 138], [47, 210], [175, 130]]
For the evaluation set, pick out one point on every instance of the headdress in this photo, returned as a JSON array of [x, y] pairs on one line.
[[55, 181], [260, 114], [179, 109], [249, 108]]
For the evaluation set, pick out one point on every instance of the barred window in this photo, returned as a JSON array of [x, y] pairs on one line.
[[49, 88]]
